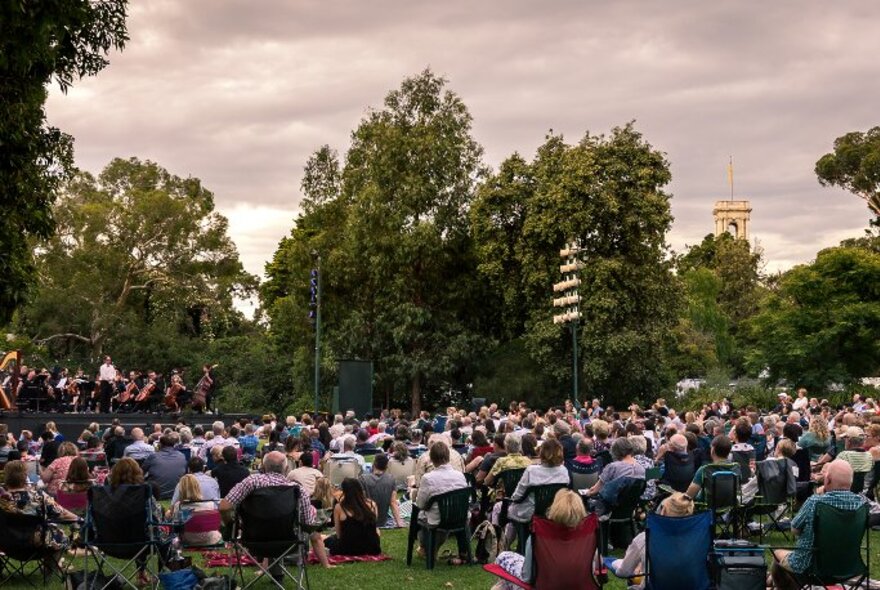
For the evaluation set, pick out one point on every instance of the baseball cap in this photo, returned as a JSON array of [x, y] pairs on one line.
[[853, 432]]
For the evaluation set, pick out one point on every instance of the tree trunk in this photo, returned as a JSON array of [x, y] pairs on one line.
[[416, 394]]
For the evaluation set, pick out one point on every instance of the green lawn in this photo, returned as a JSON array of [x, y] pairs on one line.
[[395, 574]]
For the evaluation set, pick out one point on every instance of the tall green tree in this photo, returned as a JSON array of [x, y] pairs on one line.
[[41, 42], [723, 287], [606, 193], [391, 228], [854, 165], [135, 246], [822, 324]]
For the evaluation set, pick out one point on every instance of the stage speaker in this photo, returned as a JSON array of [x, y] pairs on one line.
[[356, 387], [477, 403]]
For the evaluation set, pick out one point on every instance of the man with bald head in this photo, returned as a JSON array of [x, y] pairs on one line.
[[272, 474], [139, 449], [838, 480]]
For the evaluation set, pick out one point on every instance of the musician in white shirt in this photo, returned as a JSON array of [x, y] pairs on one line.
[[106, 375]]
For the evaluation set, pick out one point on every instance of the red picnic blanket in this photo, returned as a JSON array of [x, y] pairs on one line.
[[220, 559]]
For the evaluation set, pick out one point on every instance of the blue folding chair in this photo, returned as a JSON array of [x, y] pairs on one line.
[[676, 552]]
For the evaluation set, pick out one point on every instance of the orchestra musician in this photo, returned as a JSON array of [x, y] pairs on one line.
[[106, 376], [176, 394]]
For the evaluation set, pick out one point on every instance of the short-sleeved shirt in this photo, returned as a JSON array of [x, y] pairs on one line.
[[799, 559], [379, 489], [265, 480], [860, 461]]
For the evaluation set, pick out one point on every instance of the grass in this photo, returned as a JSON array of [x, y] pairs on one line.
[[395, 573]]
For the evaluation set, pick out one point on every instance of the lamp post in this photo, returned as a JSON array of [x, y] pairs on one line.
[[570, 302], [315, 291]]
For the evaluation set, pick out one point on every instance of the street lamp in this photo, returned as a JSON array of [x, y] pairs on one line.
[[315, 315], [570, 302]]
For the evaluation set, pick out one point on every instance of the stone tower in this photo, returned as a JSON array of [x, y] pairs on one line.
[[732, 216]]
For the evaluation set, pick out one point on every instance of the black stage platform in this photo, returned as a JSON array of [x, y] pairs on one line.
[[72, 425]]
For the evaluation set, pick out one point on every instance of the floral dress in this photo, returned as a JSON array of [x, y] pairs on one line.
[[38, 503]]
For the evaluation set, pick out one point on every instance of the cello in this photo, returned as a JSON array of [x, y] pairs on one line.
[[171, 394]]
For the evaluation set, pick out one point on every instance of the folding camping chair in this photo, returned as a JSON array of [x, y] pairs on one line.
[[338, 470], [543, 497], [76, 502], [678, 471], [676, 552], [722, 494], [20, 552], [620, 522], [119, 524], [773, 499], [562, 557], [454, 518], [204, 521], [509, 479], [267, 525], [838, 554]]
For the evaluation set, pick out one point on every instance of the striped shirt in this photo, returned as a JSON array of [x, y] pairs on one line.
[[799, 559]]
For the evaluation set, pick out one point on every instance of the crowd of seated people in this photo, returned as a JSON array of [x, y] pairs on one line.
[[393, 459]]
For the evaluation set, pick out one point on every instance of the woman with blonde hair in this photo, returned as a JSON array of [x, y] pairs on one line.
[[190, 502], [816, 439], [55, 474], [567, 510]]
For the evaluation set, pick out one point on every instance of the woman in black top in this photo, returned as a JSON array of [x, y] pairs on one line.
[[354, 519]]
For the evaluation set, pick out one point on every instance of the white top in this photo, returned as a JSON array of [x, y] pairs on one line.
[[439, 481], [107, 372]]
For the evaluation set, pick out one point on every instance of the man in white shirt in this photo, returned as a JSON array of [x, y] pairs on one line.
[[106, 375], [348, 453], [441, 479], [338, 427]]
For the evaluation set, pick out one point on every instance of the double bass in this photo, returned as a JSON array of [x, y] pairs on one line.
[[200, 396]]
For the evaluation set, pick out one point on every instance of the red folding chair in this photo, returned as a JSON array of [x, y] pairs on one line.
[[204, 521], [76, 502], [563, 557]]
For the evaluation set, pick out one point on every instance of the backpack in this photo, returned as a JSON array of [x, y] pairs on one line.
[[487, 542]]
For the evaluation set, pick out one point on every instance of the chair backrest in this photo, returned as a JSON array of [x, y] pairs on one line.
[[744, 460], [858, 482], [802, 460], [544, 495], [678, 470], [454, 508], [510, 479], [583, 481], [677, 551], [400, 471], [339, 469], [269, 519], [119, 517], [721, 489], [20, 533], [837, 542], [653, 473], [628, 496], [564, 557], [76, 502], [773, 489], [203, 521]]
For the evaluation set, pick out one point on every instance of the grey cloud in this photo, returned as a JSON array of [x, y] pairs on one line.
[[240, 93]]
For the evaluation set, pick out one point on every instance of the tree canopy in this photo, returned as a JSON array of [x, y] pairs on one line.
[[855, 166], [41, 42], [134, 247], [821, 325]]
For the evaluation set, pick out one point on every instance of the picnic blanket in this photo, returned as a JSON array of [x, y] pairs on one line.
[[219, 559]]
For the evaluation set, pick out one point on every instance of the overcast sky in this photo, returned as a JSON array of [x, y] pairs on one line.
[[239, 93]]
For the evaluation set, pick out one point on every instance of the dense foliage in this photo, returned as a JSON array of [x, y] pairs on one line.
[[855, 165], [41, 42]]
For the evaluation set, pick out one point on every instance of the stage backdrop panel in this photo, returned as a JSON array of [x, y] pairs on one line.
[[355, 387]]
